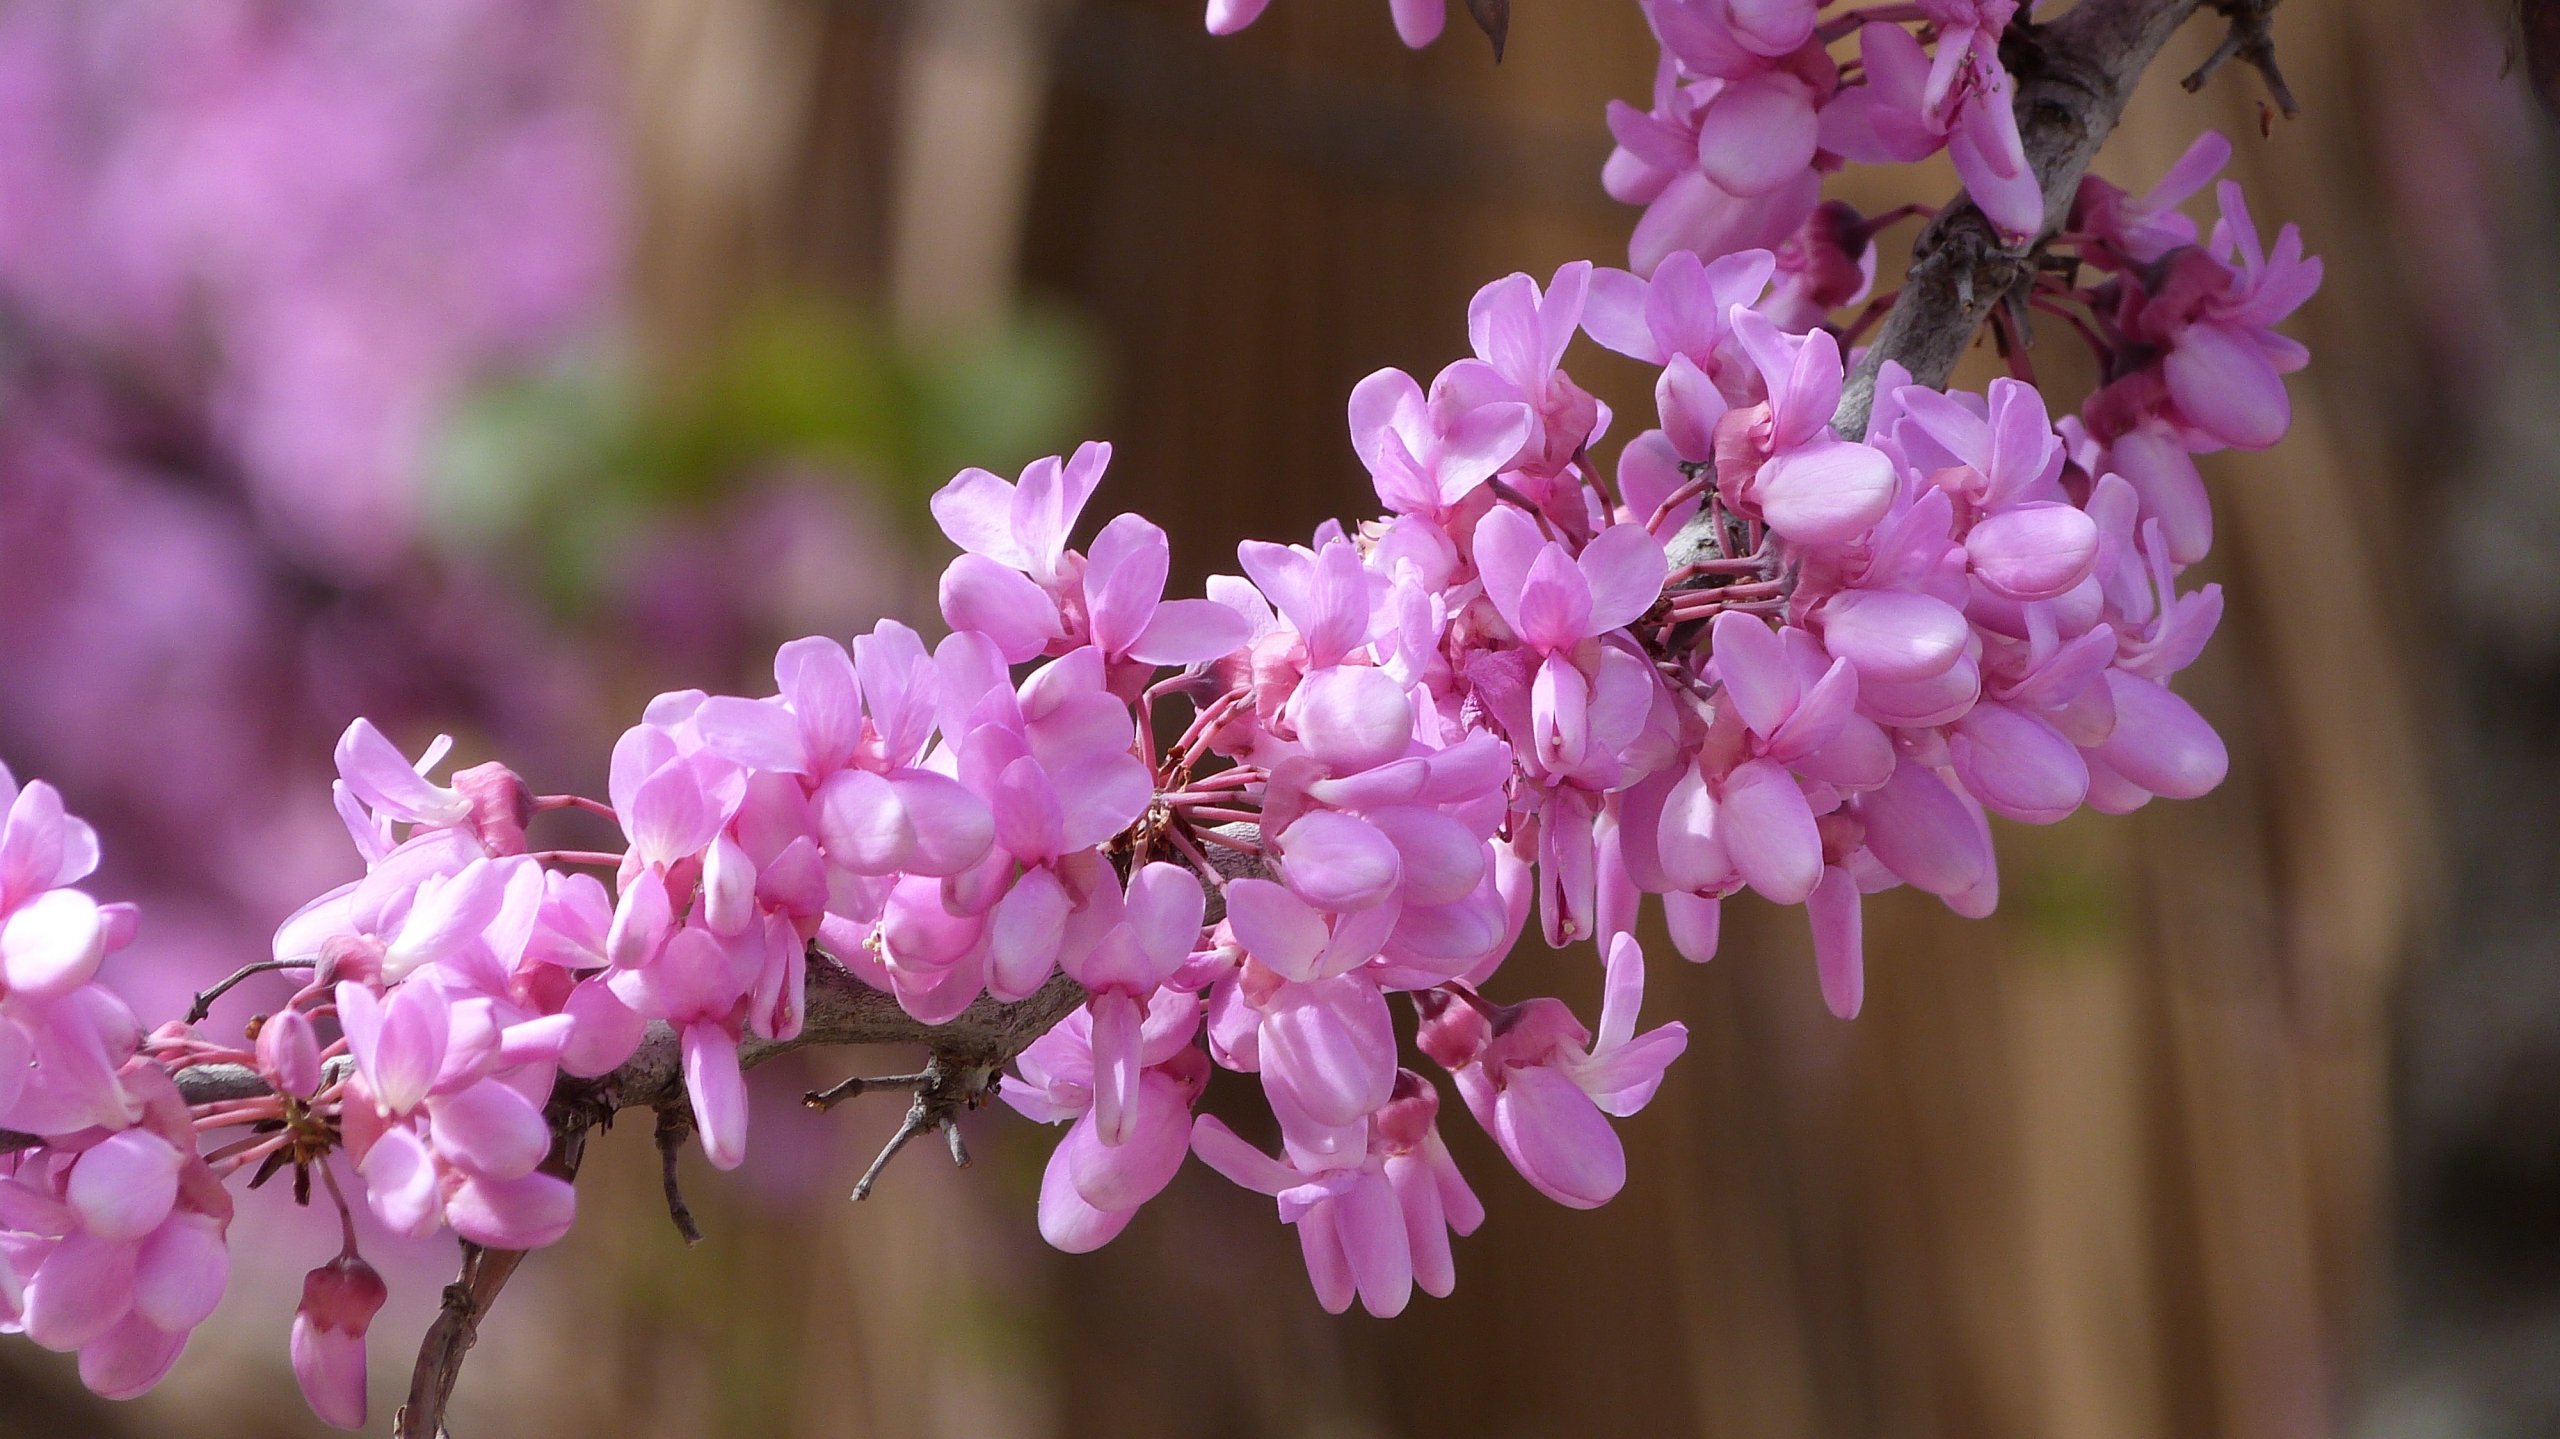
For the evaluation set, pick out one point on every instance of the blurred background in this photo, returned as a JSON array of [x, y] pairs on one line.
[[489, 365]]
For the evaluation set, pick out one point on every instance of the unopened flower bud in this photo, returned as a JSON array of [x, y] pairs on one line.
[[1453, 1032], [501, 806], [339, 1300], [1410, 1113], [289, 1053]]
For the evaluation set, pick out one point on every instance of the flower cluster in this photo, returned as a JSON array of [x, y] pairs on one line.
[[111, 1234], [1750, 110], [1241, 830]]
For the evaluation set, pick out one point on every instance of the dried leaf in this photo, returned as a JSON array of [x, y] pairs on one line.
[[1493, 17]]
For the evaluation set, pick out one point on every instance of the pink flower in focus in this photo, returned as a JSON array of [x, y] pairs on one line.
[[1545, 1089], [1092, 1188], [1961, 98], [339, 1300], [1657, 165], [1371, 1223], [1425, 454], [1153, 932]]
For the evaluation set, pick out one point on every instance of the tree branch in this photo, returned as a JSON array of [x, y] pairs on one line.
[[467, 1300], [2074, 76], [457, 1328]]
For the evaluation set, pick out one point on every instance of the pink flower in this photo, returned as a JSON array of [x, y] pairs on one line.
[[1757, 118], [1146, 941], [1426, 454], [1326, 1050], [1021, 587], [1544, 1088], [1657, 164], [1127, 616], [1522, 332], [1680, 310], [375, 774], [1553, 602], [1962, 98], [1326, 595], [1781, 460], [1022, 527], [339, 1300], [440, 1119], [289, 1053], [2225, 362], [115, 1248], [1372, 1223], [1092, 1187], [2141, 228]]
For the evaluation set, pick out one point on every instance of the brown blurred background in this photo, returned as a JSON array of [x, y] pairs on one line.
[[2238, 1121]]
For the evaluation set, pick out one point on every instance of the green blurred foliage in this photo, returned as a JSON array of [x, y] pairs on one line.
[[546, 472]]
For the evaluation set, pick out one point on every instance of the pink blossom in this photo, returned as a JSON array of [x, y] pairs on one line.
[[1544, 1087], [2142, 228], [1961, 98], [1425, 454], [2225, 362], [1657, 165], [1093, 1188], [1148, 937], [1765, 82], [1371, 1223], [339, 1300], [115, 1247], [1522, 332], [1787, 465]]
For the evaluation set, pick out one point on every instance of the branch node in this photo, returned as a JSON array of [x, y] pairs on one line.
[[947, 1086], [2252, 41]]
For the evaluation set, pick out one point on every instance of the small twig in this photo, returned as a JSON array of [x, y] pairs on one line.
[[580, 858], [919, 1119], [944, 1089], [2251, 40], [856, 1087], [203, 1007], [675, 1126], [1190, 851]]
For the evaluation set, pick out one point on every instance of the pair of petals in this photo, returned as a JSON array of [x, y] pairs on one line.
[[1553, 599]]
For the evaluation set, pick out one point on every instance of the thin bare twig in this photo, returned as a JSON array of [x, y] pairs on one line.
[[456, 1329], [859, 1085], [197, 1012], [675, 1126], [2251, 40], [942, 1092]]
